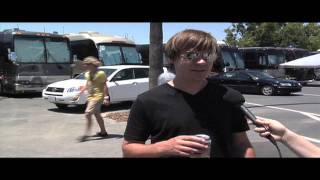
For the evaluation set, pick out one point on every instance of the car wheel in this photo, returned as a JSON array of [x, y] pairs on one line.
[[62, 106], [267, 90]]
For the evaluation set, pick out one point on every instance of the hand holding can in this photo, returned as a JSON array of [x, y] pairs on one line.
[[206, 153]]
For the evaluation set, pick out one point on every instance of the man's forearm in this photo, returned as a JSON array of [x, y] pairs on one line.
[[142, 150], [249, 153], [242, 146], [301, 146]]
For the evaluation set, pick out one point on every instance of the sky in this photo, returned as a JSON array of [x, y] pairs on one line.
[[138, 32]]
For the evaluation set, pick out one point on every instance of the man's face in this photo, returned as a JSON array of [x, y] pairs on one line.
[[193, 66]]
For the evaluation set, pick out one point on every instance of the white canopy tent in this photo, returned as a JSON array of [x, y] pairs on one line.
[[305, 62]]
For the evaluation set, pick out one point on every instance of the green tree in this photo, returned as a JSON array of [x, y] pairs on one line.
[[313, 33], [303, 35], [294, 34]]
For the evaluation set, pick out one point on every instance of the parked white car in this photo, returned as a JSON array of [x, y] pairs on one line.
[[125, 83]]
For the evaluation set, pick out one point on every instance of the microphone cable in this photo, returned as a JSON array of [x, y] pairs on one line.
[[253, 118]]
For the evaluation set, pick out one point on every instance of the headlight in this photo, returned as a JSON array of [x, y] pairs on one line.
[[74, 89], [285, 84], [299, 84]]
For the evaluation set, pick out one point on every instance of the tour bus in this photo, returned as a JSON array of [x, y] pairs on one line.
[[229, 57], [267, 59], [29, 61], [110, 50]]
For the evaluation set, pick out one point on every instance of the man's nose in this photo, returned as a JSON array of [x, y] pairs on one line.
[[201, 61]]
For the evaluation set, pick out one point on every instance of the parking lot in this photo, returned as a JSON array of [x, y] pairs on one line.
[[32, 127]]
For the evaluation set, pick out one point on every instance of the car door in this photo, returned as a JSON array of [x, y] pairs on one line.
[[245, 83], [141, 81], [229, 79], [121, 86]]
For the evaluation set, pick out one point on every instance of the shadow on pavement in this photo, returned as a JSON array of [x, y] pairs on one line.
[[117, 106], [71, 109], [95, 137], [25, 95]]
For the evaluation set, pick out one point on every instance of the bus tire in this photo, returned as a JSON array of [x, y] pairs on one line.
[[61, 106], [267, 90]]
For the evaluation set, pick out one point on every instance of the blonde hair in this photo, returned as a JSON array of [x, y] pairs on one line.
[[190, 39], [92, 60]]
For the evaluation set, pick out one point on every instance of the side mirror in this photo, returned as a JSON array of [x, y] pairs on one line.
[[116, 78], [254, 78]]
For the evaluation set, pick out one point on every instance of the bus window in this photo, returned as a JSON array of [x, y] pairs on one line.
[[131, 55], [29, 50], [275, 60], [111, 55], [250, 60], [239, 60], [263, 61], [57, 51], [83, 48], [227, 58]]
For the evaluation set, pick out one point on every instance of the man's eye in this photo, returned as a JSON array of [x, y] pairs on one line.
[[192, 55]]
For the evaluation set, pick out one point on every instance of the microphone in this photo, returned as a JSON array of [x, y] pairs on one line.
[[236, 98], [253, 118]]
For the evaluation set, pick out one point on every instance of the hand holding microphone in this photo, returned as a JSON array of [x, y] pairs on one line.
[[235, 98], [253, 118]]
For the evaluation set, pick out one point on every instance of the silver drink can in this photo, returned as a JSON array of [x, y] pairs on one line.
[[206, 154]]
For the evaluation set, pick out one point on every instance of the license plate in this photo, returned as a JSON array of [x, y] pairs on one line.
[[51, 99]]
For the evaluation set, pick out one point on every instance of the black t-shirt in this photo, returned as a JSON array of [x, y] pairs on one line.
[[165, 112]]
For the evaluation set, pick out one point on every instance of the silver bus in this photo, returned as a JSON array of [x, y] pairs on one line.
[[29, 61]]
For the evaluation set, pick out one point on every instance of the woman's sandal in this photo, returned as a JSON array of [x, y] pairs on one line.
[[102, 134]]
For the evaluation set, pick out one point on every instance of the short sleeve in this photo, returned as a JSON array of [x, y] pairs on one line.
[[138, 128], [101, 77], [86, 76], [239, 122]]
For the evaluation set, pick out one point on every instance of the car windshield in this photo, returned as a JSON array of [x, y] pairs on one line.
[[260, 75], [108, 72]]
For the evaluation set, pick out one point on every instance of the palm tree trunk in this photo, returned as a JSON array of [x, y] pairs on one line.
[[155, 53]]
